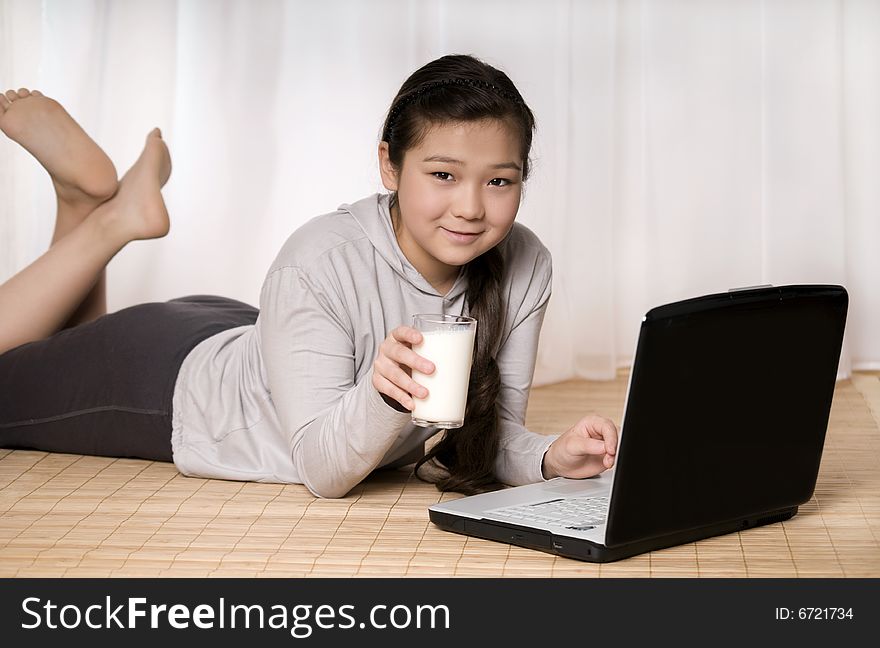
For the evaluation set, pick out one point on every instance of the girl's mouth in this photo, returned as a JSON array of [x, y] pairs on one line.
[[459, 237]]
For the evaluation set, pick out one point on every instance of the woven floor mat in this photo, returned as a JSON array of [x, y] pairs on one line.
[[70, 515]]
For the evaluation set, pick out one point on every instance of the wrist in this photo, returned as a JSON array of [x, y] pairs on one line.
[[548, 466]]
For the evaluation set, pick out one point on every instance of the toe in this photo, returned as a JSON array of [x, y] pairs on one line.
[[24, 92], [4, 103], [36, 93], [12, 95]]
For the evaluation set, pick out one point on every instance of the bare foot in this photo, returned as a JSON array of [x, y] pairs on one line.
[[82, 173], [137, 211]]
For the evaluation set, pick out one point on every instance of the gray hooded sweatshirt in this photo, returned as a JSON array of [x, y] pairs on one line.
[[290, 399]]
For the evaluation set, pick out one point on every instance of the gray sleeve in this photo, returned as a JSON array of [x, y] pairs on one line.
[[521, 452], [337, 431]]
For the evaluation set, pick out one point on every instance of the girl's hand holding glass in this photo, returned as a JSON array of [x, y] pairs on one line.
[[392, 369]]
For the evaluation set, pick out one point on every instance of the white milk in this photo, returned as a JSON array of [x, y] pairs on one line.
[[452, 354]]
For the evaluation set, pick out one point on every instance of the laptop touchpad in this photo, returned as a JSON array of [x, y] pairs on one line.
[[577, 486]]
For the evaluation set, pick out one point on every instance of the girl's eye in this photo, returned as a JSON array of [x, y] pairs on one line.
[[495, 182]]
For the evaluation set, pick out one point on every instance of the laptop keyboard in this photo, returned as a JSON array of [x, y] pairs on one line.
[[578, 513]]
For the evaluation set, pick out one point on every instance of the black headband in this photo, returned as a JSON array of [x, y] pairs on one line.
[[427, 87]]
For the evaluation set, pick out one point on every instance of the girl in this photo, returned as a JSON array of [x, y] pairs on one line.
[[314, 387]]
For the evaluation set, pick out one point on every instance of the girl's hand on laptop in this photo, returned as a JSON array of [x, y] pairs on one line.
[[584, 450]]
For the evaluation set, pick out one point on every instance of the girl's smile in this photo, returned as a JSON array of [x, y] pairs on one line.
[[461, 237]]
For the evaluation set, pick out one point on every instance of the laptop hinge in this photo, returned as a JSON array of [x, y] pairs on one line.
[[733, 290]]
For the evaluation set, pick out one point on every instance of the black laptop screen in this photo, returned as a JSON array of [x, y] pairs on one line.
[[727, 411]]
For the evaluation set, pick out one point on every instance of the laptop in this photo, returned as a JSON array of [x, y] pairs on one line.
[[724, 424]]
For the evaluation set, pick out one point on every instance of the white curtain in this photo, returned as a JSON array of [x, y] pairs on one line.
[[684, 147]]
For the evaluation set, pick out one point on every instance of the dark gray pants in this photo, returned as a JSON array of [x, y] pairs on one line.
[[105, 387]]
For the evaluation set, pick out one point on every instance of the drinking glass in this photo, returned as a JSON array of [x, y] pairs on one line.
[[448, 342]]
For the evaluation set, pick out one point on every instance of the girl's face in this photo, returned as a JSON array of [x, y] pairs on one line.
[[457, 196]]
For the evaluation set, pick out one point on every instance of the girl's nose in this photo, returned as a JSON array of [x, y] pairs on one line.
[[468, 205]]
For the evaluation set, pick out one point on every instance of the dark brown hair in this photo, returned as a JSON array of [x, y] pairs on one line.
[[461, 88]]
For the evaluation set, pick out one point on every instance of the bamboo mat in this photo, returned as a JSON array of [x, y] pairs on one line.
[[69, 515]]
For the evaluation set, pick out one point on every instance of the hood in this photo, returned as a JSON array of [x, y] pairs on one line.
[[373, 215]]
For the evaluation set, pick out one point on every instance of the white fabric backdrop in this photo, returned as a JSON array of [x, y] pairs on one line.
[[683, 147]]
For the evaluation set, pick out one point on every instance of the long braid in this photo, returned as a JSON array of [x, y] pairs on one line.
[[468, 452]]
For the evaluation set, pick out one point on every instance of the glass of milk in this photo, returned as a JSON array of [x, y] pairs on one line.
[[448, 342]]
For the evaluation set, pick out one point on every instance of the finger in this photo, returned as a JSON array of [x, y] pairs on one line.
[[390, 389], [402, 380], [610, 435], [407, 335], [602, 428], [588, 446], [406, 356]]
